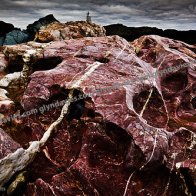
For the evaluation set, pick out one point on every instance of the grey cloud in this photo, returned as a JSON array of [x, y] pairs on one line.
[[180, 14]]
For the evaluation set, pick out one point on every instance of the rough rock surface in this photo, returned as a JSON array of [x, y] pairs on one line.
[[16, 37], [128, 131], [61, 31], [7, 144]]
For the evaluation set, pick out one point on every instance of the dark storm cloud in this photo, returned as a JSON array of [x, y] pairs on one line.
[[180, 14]]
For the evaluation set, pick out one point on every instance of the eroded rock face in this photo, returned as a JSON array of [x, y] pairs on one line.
[[127, 131], [177, 85], [7, 144], [63, 31]]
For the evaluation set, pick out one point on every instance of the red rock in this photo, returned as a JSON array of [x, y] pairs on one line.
[[127, 126], [7, 144]]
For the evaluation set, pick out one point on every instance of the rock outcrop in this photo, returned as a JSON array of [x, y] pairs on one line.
[[70, 30], [11, 36], [49, 29], [37, 25], [130, 126]]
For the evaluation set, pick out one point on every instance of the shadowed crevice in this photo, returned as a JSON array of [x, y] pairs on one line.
[[46, 64]]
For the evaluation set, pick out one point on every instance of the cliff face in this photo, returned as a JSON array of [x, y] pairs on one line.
[[132, 33], [127, 127]]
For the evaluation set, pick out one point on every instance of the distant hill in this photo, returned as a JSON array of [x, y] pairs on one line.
[[131, 33], [5, 28], [9, 35]]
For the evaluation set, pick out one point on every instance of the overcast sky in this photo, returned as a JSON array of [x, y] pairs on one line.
[[176, 14]]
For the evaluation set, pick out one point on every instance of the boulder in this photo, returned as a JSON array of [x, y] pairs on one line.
[[16, 37], [130, 128]]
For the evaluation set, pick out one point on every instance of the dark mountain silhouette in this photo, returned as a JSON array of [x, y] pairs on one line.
[[132, 33], [5, 28], [10, 35]]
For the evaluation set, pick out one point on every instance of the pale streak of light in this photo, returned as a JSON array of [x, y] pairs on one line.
[[167, 186], [144, 107], [155, 143], [128, 181], [120, 52]]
